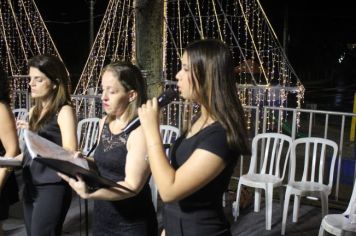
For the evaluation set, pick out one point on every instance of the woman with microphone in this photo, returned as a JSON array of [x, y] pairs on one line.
[[204, 157]]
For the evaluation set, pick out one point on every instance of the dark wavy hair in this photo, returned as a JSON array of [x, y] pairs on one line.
[[213, 81], [4, 86], [131, 78], [55, 70]]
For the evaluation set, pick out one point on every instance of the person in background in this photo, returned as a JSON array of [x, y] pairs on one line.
[[9, 147], [47, 197], [121, 157], [204, 157]]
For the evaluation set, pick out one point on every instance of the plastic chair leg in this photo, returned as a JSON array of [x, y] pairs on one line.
[[257, 199], [324, 204], [281, 196], [269, 202], [236, 204], [321, 231], [296, 208], [285, 210]]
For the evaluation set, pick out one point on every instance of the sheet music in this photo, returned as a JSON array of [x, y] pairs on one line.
[[40, 147]]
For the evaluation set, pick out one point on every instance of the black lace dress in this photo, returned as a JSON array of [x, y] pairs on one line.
[[9, 194], [131, 216]]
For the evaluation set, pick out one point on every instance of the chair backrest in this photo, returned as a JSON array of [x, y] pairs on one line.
[[87, 133], [169, 133], [273, 150], [20, 113], [316, 153]]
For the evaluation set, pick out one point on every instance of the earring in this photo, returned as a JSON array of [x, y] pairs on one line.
[[54, 86]]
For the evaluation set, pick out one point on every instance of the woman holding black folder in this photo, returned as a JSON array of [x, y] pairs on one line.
[[9, 147], [204, 157], [46, 196], [121, 157]]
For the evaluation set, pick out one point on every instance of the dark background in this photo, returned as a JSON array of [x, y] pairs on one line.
[[319, 39]]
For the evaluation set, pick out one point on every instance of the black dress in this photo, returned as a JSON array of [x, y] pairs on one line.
[[201, 213], [46, 196], [9, 193], [131, 216]]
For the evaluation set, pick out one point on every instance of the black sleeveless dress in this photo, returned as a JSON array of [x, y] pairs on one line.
[[43, 188], [9, 194], [131, 216]]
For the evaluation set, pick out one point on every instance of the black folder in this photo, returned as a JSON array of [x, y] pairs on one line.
[[61, 160]]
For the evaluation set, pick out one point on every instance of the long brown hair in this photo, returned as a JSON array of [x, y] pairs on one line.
[[213, 81], [55, 70], [131, 78]]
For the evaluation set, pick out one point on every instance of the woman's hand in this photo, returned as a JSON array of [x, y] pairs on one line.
[[149, 116], [78, 185], [78, 154], [22, 124]]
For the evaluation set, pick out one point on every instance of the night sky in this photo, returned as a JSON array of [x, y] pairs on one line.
[[317, 42], [68, 24]]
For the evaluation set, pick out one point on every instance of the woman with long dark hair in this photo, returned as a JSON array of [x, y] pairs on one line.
[[46, 196], [204, 157]]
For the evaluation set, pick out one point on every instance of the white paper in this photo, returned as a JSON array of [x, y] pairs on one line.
[[40, 147]]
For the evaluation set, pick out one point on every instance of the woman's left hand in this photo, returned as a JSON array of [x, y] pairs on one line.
[[78, 185]]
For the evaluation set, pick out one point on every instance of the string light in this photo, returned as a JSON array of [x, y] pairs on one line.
[[241, 24]]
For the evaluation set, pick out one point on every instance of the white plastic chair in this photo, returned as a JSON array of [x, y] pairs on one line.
[[338, 224], [20, 114], [169, 134], [314, 182], [87, 133], [274, 150]]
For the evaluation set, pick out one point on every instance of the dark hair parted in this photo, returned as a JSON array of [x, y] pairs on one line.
[[4, 86], [213, 81], [131, 78], [54, 70]]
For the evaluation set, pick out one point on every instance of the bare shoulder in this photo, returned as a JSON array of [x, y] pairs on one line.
[[66, 110], [136, 139], [136, 134], [5, 110]]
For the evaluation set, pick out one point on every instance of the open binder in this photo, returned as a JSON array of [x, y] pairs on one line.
[[63, 161]]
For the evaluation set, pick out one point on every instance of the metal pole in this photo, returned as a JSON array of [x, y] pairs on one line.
[[91, 20], [285, 28]]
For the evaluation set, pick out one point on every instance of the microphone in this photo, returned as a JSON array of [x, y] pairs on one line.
[[163, 100]]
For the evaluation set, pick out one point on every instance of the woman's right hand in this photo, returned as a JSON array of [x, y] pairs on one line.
[[78, 154], [22, 124], [78, 185]]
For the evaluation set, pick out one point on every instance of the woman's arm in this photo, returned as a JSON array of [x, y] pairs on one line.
[[68, 125], [136, 170], [8, 138], [200, 168]]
